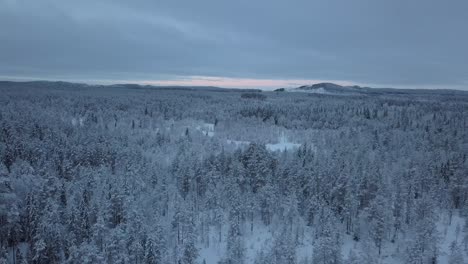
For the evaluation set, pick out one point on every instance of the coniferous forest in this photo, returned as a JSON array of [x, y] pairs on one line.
[[137, 174]]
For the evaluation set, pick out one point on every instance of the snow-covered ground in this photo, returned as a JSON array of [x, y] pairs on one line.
[[282, 145], [207, 129], [254, 242], [450, 231], [262, 238], [238, 143], [320, 90], [77, 121]]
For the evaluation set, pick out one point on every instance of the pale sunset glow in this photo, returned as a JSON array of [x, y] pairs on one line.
[[237, 82]]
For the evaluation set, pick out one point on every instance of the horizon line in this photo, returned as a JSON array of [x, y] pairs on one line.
[[229, 83]]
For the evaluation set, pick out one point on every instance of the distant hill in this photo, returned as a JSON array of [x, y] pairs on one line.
[[332, 88], [336, 89], [318, 88]]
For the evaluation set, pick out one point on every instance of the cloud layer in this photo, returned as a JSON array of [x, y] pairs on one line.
[[392, 43]]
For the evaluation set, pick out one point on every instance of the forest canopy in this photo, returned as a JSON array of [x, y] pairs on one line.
[[118, 174]]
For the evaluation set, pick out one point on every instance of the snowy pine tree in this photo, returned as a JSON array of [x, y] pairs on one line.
[[456, 254]]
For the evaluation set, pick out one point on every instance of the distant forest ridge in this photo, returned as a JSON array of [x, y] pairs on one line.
[[324, 87]]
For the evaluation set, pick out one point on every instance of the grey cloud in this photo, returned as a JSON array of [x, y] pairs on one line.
[[381, 42]]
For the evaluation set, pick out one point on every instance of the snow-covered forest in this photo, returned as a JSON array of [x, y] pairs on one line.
[[134, 174]]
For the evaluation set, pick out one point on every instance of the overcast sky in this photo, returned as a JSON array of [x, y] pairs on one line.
[[237, 43]]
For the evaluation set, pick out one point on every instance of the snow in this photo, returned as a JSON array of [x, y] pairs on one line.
[[77, 121], [215, 251], [238, 143], [254, 242], [319, 90], [282, 145], [262, 238], [448, 233], [22, 247], [155, 160], [207, 129]]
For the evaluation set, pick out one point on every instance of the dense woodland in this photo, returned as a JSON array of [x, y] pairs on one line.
[[132, 174]]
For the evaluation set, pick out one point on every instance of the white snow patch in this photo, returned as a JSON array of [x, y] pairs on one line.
[[450, 231], [207, 129], [282, 145], [238, 143], [262, 238], [319, 90], [79, 121], [254, 242]]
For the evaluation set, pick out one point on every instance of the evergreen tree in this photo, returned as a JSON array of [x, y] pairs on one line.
[[456, 254], [3, 255], [235, 246], [284, 248], [422, 246], [379, 220], [327, 246], [353, 258]]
